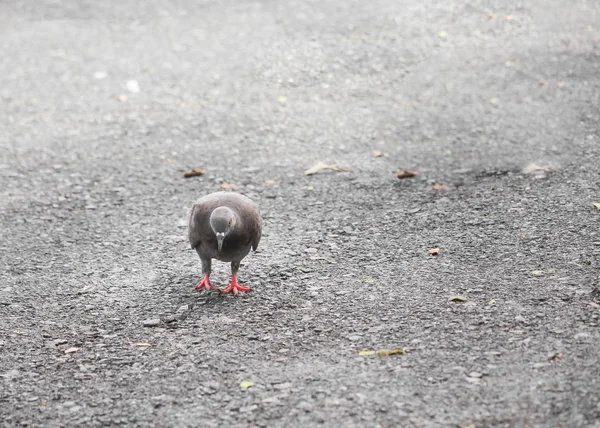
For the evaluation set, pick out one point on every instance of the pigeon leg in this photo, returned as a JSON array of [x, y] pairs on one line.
[[235, 287], [206, 281]]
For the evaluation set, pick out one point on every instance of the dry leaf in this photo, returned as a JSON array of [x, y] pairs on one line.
[[381, 352], [434, 251], [537, 273], [386, 353], [494, 101], [368, 281], [559, 84], [194, 173], [143, 344], [532, 167], [281, 99], [407, 174], [43, 403], [597, 205], [377, 154], [270, 182], [228, 186], [522, 236], [246, 384], [71, 350], [321, 166], [491, 15], [310, 188], [467, 426], [492, 302], [440, 188], [443, 34], [122, 98], [458, 299]]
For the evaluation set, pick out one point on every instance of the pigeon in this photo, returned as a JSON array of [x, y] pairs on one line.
[[224, 226]]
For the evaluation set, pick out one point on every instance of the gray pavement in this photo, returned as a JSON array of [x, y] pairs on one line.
[[93, 211]]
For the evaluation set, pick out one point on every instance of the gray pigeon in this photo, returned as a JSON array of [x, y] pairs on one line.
[[223, 226]]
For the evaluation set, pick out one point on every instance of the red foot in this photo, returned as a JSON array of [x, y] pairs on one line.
[[234, 287], [206, 284]]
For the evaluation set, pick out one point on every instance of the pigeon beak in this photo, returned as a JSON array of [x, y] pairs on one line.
[[220, 238]]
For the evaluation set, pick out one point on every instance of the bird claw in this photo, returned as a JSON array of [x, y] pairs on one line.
[[235, 288], [206, 284]]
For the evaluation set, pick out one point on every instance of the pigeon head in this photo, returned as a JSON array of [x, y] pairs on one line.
[[222, 221]]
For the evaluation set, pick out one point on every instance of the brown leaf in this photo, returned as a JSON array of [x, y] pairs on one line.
[[194, 173], [407, 174], [434, 251], [440, 188], [377, 154]]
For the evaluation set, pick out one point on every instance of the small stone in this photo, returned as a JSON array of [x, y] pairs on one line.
[[581, 336], [133, 86], [520, 318], [152, 322], [281, 386], [475, 374], [354, 337], [99, 75], [182, 309]]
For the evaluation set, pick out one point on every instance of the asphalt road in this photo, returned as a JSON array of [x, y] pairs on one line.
[[93, 212]]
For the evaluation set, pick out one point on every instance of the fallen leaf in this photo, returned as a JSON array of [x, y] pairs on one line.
[[509, 17], [270, 182], [194, 173], [537, 273], [458, 299], [510, 63], [532, 167], [542, 83], [491, 15], [442, 34], [434, 251], [559, 84], [522, 236], [494, 101], [18, 331], [169, 160], [492, 302], [43, 403], [143, 344], [246, 384], [227, 186], [281, 99], [368, 281], [377, 154], [597, 205], [381, 352], [304, 269], [407, 174], [71, 350], [321, 166], [440, 187], [310, 188], [387, 353], [467, 426], [122, 98]]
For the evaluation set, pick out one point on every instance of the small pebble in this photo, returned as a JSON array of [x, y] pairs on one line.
[[153, 322]]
